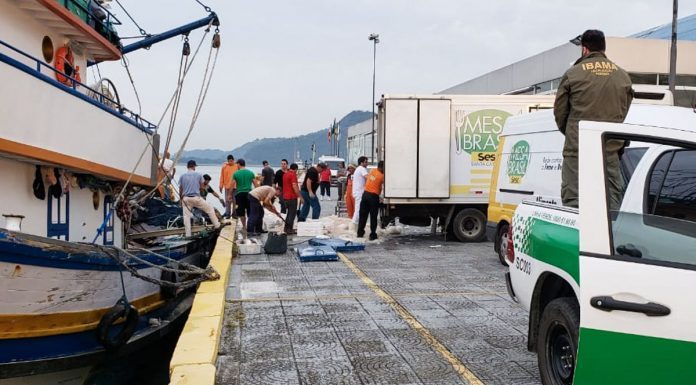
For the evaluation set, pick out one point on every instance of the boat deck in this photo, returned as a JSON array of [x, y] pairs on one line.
[[411, 309]]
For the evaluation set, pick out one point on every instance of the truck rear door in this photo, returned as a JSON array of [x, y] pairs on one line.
[[417, 148], [638, 263]]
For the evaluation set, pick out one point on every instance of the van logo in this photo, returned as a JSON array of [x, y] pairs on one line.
[[518, 161], [477, 133]]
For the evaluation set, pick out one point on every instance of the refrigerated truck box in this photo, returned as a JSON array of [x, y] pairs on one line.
[[439, 152]]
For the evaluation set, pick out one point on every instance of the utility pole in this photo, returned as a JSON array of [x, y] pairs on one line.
[[375, 39], [673, 50]]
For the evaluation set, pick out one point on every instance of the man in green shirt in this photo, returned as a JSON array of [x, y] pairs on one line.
[[243, 180]]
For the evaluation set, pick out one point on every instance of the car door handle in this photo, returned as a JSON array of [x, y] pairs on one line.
[[651, 309], [629, 250]]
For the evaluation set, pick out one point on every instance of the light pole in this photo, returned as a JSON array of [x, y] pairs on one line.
[[375, 39]]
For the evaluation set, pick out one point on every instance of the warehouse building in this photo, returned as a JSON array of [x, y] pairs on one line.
[[645, 56], [359, 141]]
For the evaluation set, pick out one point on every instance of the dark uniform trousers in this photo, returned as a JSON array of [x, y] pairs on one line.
[[368, 205]]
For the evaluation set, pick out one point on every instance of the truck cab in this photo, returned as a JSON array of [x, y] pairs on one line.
[[607, 290]]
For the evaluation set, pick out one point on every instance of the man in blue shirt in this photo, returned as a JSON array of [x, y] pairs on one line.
[[190, 185]]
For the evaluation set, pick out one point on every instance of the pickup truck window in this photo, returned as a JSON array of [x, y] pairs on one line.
[[677, 197], [666, 230]]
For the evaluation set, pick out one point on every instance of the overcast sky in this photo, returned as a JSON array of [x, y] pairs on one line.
[[289, 67]]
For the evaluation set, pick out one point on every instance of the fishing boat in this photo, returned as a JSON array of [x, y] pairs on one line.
[[79, 282]]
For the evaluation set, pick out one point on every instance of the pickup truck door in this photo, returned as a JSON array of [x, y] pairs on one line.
[[638, 263]]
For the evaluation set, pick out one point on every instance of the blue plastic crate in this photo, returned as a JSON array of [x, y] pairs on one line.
[[337, 244], [317, 253]]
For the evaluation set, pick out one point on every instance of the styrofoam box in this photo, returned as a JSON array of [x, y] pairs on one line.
[[249, 246]]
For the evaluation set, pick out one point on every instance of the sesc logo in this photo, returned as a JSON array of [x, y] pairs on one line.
[[518, 161]]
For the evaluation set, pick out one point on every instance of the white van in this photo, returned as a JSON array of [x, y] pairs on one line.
[[529, 168]]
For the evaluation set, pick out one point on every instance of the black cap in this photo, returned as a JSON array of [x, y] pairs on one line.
[[191, 163]]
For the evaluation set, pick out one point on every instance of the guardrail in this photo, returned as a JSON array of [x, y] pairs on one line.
[[81, 9], [100, 99]]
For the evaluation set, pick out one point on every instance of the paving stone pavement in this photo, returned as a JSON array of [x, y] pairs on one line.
[[288, 322]]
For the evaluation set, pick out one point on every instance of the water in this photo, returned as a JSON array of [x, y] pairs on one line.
[[149, 366]]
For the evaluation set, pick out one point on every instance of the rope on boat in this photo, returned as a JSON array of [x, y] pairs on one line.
[[192, 273], [142, 31], [150, 145]]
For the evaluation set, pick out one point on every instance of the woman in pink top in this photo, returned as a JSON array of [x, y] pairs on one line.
[[325, 183]]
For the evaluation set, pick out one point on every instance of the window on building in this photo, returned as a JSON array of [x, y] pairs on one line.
[[58, 225], [109, 228], [637, 78]]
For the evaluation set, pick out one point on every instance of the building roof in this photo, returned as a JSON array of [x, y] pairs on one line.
[[686, 30], [546, 67]]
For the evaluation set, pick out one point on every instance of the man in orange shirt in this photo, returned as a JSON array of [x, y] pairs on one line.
[[228, 169], [370, 201]]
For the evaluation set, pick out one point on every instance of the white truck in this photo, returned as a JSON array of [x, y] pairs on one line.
[[609, 291], [439, 151]]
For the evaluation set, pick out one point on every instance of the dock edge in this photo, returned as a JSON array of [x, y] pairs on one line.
[[195, 355]]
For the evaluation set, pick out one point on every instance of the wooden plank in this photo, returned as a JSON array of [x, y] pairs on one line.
[[162, 233]]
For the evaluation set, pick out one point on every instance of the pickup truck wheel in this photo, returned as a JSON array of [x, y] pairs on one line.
[[469, 225], [503, 240], [557, 343]]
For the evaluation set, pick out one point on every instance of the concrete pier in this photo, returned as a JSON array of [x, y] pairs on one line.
[[411, 309]]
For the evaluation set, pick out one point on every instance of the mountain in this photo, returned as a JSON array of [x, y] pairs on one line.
[[275, 149]]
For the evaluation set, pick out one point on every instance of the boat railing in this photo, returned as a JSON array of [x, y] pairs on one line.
[[96, 97], [104, 26]]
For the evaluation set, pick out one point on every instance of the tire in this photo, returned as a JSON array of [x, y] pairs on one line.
[[469, 225], [502, 241], [113, 342], [557, 343]]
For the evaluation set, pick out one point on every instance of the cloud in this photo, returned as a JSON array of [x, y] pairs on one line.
[[289, 67]]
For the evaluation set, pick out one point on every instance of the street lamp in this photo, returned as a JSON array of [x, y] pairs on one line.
[[375, 39]]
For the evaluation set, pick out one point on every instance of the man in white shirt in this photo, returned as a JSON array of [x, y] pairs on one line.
[[168, 170], [359, 178]]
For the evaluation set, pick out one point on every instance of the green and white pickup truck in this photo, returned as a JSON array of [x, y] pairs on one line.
[[611, 294]]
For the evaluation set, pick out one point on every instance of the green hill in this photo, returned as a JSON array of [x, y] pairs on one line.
[[274, 149]]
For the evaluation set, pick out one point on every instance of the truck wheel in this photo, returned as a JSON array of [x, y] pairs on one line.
[[469, 225], [557, 343], [502, 240]]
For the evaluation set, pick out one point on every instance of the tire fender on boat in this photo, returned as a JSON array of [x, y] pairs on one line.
[[120, 310]]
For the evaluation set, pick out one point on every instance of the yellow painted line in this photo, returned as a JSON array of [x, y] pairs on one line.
[[480, 171], [457, 365], [481, 180], [195, 355], [348, 296]]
